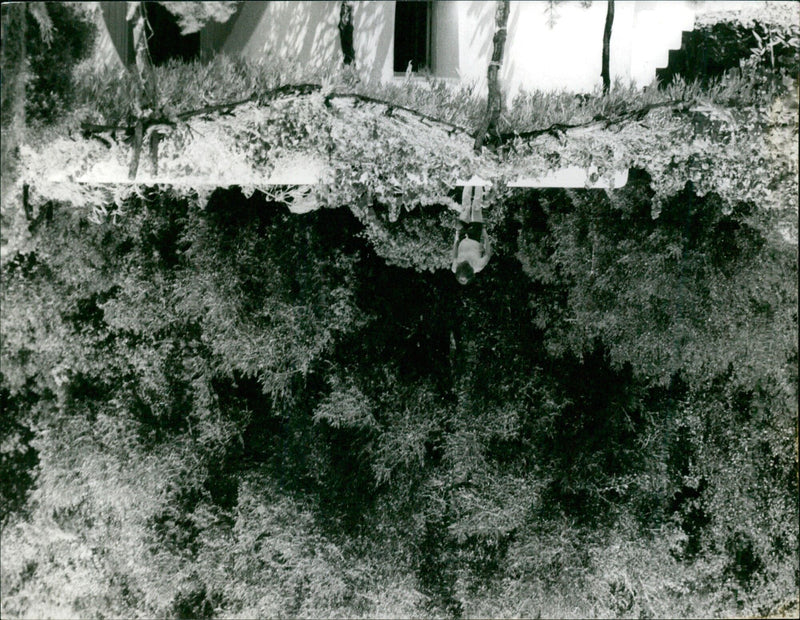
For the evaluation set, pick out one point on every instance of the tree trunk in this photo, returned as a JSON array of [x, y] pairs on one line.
[[606, 71], [147, 90], [14, 69], [346, 32], [493, 103]]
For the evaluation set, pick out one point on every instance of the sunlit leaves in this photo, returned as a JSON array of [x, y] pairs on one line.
[[192, 16]]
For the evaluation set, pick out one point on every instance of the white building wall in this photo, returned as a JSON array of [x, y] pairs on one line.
[[657, 29], [538, 56], [373, 39], [446, 39], [565, 56], [568, 54], [304, 33]]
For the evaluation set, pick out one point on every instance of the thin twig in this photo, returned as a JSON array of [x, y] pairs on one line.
[[601, 121]]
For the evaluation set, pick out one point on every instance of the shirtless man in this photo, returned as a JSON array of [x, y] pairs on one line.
[[471, 248]]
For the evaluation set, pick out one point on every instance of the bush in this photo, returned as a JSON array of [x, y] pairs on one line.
[[50, 90]]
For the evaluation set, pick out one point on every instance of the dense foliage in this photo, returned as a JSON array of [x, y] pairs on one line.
[[53, 57], [212, 406], [241, 411], [765, 35]]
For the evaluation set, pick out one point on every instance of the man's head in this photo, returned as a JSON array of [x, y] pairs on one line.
[[464, 272]]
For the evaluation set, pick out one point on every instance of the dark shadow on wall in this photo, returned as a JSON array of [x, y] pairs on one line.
[[243, 25], [315, 44], [509, 60], [483, 14], [118, 31], [214, 34], [248, 17], [167, 42], [304, 34]]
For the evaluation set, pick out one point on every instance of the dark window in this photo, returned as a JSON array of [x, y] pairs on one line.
[[166, 40], [412, 35]]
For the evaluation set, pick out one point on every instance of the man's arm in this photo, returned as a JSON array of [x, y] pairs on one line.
[[459, 228], [487, 244], [487, 252]]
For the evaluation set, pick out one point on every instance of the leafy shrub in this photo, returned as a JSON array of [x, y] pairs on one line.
[[238, 411], [710, 50], [50, 90]]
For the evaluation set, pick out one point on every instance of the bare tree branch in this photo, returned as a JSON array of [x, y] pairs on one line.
[[391, 109]]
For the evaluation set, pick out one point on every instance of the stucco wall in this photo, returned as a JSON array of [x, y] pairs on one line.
[[298, 32], [447, 38], [373, 29], [307, 34], [565, 55], [538, 55]]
